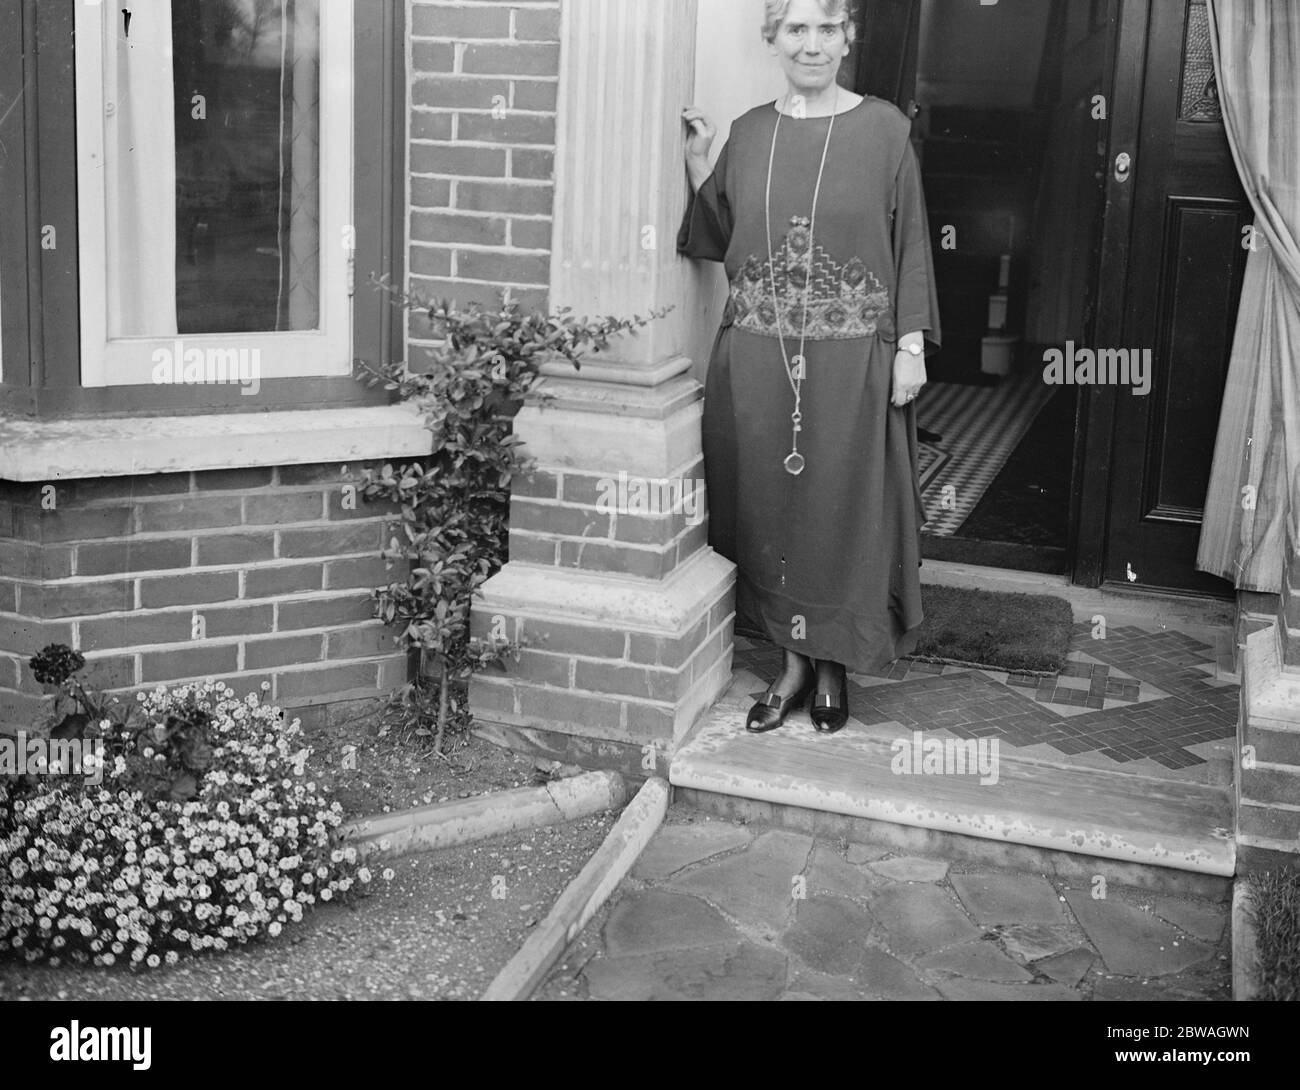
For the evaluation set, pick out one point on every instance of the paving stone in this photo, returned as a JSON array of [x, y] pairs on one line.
[[1132, 942], [728, 972], [756, 886], [983, 990], [829, 934], [676, 846], [911, 868], [921, 918], [1068, 968], [829, 872], [994, 898], [865, 853], [652, 920], [980, 960], [883, 975], [836, 989], [1120, 990], [1032, 941], [1204, 919]]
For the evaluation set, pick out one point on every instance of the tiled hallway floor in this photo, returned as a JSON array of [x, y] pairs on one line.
[[1147, 700]]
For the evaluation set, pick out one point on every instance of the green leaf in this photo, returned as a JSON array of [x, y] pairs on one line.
[[183, 788]]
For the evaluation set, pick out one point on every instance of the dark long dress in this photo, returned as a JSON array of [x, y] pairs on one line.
[[828, 562]]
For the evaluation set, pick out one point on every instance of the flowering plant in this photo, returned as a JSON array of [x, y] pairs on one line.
[[134, 869], [76, 708]]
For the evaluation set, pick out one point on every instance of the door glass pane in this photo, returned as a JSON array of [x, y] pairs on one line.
[[213, 153], [1200, 95]]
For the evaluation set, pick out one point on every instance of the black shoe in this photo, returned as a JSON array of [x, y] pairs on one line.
[[771, 710], [827, 716]]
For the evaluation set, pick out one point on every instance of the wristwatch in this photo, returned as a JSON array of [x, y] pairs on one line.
[[914, 349]]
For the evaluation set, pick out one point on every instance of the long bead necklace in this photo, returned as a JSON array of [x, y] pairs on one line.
[[796, 370]]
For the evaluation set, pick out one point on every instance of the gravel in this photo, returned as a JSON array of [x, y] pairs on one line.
[[441, 928]]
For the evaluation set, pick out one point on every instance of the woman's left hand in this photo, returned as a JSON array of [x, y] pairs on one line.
[[909, 377]]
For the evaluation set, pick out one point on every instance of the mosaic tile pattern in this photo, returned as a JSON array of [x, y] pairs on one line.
[[981, 427], [1135, 695], [930, 458]]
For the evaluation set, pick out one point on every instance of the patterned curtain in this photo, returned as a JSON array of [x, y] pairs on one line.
[[302, 72], [1255, 481]]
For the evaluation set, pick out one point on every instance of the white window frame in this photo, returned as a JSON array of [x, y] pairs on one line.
[[129, 361]]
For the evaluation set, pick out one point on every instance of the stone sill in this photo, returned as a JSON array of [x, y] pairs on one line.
[[52, 450]]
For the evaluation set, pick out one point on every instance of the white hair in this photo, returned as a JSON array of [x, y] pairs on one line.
[[775, 11]]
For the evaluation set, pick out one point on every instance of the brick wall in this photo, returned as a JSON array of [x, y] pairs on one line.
[[483, 82], [244, 575]]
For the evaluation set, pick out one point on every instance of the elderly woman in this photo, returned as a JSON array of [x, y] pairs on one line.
[[815, 208]]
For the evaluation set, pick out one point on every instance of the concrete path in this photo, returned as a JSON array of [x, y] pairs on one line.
[[720, 910]]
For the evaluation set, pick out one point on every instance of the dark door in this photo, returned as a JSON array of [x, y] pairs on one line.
[[1171, 273]]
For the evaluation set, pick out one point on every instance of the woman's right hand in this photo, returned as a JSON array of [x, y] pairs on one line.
[[698, 143], [701, 135]]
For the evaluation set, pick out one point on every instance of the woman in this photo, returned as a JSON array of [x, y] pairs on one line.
[[815, 208]]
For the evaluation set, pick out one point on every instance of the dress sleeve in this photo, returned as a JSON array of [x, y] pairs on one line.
[[917, 303], [706, 226]]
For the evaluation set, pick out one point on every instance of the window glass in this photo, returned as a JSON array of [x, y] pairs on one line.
[[247, 94]]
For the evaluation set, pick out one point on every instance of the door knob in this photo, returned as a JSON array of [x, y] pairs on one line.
[[1123, 166]]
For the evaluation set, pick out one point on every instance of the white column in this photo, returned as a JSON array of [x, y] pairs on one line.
[[627, 612], [626, 71]]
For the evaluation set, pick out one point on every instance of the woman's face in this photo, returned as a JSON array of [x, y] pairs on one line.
[[811, 46]]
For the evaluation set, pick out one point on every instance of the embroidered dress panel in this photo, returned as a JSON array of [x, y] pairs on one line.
[[847, 299]]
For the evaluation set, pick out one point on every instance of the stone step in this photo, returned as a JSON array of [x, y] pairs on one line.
[[1142, 825]]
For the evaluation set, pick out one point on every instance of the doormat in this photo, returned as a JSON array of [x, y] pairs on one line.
[[993, 630]]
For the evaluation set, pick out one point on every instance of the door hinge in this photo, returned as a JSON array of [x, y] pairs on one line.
[[352, 272]]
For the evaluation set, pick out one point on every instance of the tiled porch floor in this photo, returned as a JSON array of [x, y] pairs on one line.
[[1147, 699]]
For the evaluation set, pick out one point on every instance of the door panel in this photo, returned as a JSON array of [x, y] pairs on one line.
[[1184, 267], [1194, 337]]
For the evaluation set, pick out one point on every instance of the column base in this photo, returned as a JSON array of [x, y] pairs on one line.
[[621, 659]]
